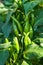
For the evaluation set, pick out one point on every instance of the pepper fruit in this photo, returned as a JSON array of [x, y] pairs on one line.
[[27, 26], [16, 44], [16, 32], [18, 24], [27, 40]]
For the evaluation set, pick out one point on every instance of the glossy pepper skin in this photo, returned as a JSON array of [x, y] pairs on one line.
[[26, 26], [16, 32], [31, 32], [16, 44], [33, 19], [17, 23]]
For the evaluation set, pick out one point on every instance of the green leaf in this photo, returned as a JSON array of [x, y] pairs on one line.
[[1, 34], [38, 22], [33, 52], [1, 5], [4, 54], [41, 44], [1, 24], [30, 5], [24, 1], [40, 39], [39, 19], [2, 8], [8, 16], [6, 29], [5, 45], [7, 3]]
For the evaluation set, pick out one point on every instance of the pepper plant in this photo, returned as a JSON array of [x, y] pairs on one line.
[[21, 32]]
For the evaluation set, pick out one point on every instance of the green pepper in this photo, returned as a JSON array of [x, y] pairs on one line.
[[16, 32], [33, 19], [16, 44], [31, 32], [26, 27], [18, 24]]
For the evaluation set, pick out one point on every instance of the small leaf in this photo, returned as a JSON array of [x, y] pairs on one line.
[[5, 45], [1, 5], [24, 63], [27, 40]]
